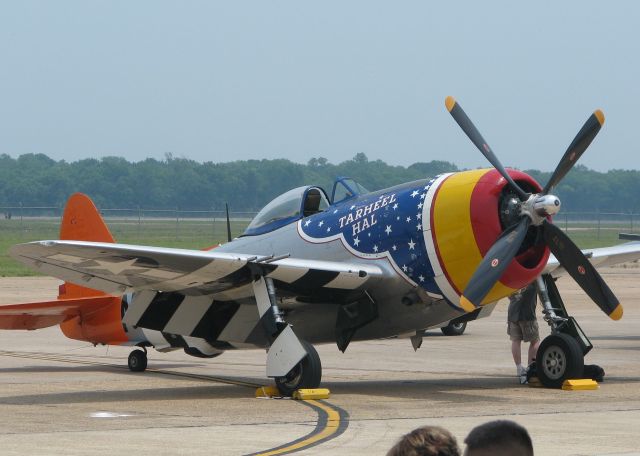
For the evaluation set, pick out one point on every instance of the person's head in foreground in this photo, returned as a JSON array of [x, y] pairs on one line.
[[426, 441], [498, 438]]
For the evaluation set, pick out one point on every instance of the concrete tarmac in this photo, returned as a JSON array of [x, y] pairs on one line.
[[59, 396]]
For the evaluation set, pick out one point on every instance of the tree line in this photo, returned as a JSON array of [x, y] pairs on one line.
[[114, 182]]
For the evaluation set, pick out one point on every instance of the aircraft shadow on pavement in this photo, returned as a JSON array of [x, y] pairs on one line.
[[616, 337], [90, 368], [189, 393]]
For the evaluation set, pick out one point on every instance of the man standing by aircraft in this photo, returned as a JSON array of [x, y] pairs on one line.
[[523, 326]]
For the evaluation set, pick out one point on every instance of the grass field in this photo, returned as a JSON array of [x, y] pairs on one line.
[[202, 233]]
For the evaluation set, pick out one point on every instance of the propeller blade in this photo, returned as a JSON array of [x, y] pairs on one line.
[[476, 138], [493, 265], [577, 147], [582, 271]]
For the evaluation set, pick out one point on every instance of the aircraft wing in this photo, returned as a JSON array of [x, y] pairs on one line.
[[600, 257], [116, 268]]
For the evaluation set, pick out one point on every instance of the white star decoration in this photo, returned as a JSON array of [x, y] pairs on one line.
[[395, 206], [408, 219], [394, 247], [321, 223], [418, 216], [375, 248], [388, 230], [414, 194], [421, 278], [412, 245], [404, 267], [328, 229], [419, 227], [307, 223], [116, 268], [356, 241], [420, 206], [352, 207]]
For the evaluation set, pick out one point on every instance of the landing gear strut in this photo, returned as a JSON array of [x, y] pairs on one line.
[[137, 361], [291, 362], [560, 355]]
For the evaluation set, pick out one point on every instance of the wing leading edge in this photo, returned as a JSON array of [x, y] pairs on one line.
[[116, 268]]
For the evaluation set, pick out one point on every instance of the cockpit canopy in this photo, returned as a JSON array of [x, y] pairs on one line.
[[345, 188], [288, 207], [301, 202]]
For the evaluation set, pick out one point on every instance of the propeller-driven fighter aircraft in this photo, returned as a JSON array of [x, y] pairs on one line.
[[311, 269]]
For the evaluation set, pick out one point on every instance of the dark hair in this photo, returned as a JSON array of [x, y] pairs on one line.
[[503, 437], [426, 441]]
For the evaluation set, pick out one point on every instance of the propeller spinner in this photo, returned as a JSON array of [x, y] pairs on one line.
[[535, 210]]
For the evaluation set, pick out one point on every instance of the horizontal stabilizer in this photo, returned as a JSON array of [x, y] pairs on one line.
[[36, 315]]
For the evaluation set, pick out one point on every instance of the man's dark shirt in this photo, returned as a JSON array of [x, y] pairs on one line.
[[522, 305]]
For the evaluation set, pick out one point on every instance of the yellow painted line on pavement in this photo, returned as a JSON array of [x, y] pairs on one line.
[[328, 425], [331, 420]]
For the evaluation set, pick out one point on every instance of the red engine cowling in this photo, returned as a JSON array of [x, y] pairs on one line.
[[467, 213]]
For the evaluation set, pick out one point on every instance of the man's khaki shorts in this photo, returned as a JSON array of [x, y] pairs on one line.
[[526, 331]]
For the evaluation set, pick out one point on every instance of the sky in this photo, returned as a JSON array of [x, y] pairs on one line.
[[222, 81]]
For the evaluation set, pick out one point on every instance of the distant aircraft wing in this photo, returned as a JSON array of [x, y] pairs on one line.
[[116, 268], [601, 257]]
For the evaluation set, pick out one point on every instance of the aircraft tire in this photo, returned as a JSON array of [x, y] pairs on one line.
[[306, 374], [454, 329], [559, 358], [137, 361]]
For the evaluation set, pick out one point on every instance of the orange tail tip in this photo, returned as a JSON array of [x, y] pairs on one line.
[[82, 221]]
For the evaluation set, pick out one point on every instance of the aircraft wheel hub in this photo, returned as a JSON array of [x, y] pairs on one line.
[[554, 362]]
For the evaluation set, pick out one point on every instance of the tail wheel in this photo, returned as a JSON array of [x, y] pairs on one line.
[[454, 329], [559, 358], [137, 361], [306, 374]]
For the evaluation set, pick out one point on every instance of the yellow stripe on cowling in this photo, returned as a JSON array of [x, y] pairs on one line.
[[466, 304], [459, 252], [617, 313], [600, 116], [449, 102]]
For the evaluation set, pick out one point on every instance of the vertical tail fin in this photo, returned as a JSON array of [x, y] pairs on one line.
[[81, 221]]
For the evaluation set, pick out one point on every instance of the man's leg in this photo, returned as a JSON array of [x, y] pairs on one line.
[[515, 334], [515, 351], [533, 349]]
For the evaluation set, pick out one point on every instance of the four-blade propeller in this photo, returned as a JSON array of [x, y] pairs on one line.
[[535, 210]]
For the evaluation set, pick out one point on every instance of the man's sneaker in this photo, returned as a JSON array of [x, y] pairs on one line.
[[523, 379]]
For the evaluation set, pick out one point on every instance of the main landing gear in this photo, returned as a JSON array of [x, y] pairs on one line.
[[454, 328], [137, 361], [306, 374], [291, 362], [561, 354]]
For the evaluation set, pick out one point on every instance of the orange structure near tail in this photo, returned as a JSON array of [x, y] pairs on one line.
[[82, 313]]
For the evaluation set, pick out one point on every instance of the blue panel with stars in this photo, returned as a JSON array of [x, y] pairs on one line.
[[378, 225]]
